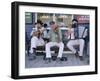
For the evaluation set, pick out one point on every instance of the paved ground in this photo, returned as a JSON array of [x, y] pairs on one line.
[[39, 62]]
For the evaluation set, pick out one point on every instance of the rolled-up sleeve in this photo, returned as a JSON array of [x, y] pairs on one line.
[[60, 35]]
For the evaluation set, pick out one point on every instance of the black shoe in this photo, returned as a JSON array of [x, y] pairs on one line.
[[64, 59], [76, 54], [58, 60], [47, 60], [81, 58], [54, 58], [32, 56]]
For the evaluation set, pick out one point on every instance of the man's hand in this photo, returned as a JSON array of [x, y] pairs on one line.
[[58, 41]]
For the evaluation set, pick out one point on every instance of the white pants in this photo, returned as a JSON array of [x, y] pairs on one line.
[[36, 42], [51, 44], [79, 42]]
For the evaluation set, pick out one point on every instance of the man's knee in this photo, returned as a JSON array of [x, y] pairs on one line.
[[61, 44], [68, 44], [82, 41], [47, 45]]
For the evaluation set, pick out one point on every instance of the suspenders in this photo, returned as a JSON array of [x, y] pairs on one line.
[[83, 32]]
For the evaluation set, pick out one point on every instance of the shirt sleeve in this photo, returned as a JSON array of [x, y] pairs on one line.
[[60, 35], [85, 33], [31, 33], [48, 36]]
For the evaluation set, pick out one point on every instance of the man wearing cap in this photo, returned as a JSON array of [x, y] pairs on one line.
[[76, 39], [36, 38], [55, 37]]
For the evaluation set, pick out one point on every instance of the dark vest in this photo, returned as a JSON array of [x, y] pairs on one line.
[[76, 31]]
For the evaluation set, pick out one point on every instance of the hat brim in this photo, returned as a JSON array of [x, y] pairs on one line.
[[38, 23]]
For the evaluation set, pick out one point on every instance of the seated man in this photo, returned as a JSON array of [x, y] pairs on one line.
[[55, 37], [36, 39], [76, 39]]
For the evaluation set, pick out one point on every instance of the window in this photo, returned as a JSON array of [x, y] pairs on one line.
[[28, 18], [45, 17], [63, 20]]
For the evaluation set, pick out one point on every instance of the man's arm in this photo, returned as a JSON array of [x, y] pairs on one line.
[[60, 35]]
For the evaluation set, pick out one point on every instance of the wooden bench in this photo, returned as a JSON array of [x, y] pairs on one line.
[[41, 49], [54, 48], [54, 56]]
